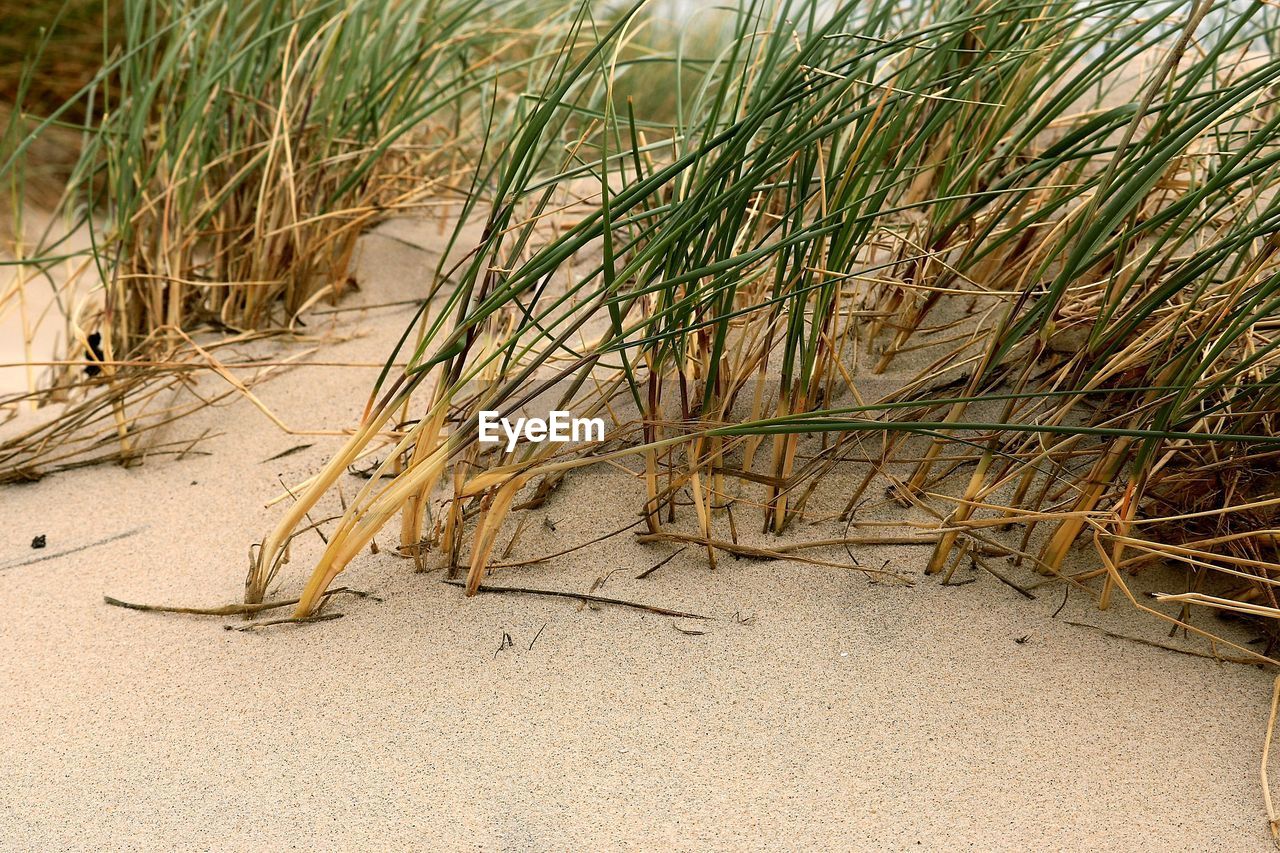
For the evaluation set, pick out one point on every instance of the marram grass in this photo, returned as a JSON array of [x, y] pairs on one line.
[[834, 180], [1049, 224], [225, 159]]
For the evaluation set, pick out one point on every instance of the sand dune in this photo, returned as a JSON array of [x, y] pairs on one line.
[[815, 708]]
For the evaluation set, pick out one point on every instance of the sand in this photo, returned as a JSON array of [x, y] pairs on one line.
[[817, 708], [32, 328]]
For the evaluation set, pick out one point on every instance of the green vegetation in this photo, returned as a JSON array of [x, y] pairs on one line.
[[229, 156], [1069, 206]]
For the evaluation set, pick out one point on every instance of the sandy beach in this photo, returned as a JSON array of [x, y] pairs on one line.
[[816, 707]]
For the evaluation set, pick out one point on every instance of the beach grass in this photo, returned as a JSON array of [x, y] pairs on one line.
[[832, 181], [224, 159], [1049, 224]]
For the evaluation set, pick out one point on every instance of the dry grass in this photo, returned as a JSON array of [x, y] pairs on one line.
[[227, 160], [1093, 287], [945, 253]]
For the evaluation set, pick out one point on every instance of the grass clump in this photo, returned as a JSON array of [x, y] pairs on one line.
[[1010, 262], [229, 155], [837, 183]]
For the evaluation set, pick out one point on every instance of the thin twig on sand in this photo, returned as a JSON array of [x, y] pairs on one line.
[[65, 551], [230, 609], [1272, 822], [978, 561], [1153, 644], [660, 563], [582, 596], [761, 553], [291, 620]]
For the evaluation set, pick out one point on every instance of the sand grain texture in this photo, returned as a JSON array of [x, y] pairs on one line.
[[845, 714]]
